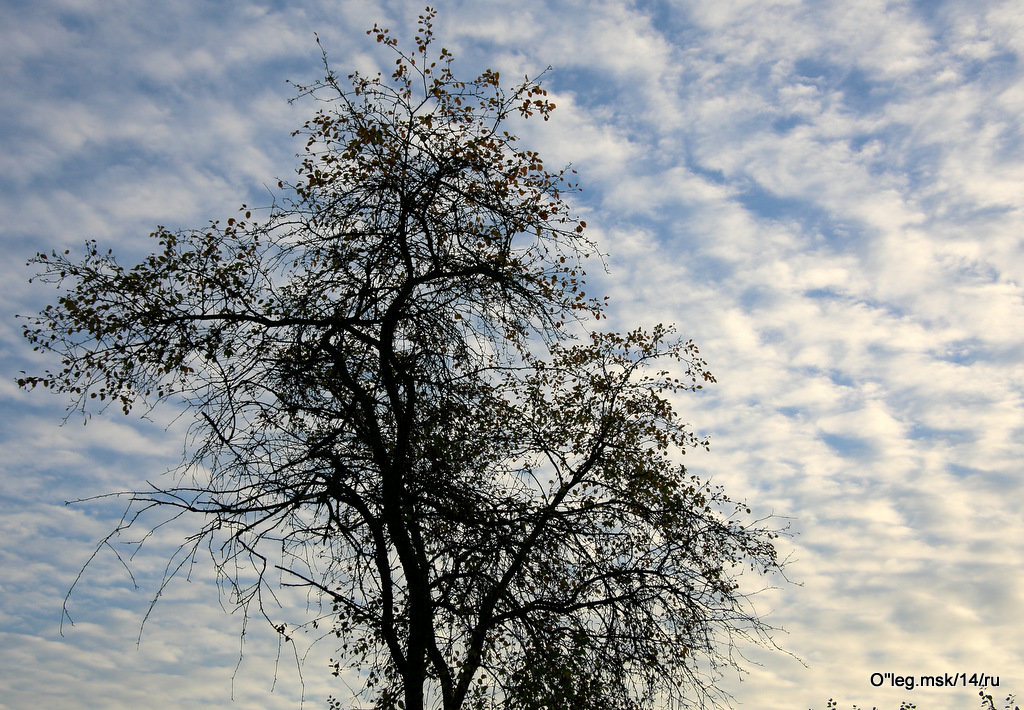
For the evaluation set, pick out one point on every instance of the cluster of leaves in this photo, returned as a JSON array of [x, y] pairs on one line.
[[399, 403], [987, 703]]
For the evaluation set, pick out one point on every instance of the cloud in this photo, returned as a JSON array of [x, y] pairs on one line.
[[824, 195]]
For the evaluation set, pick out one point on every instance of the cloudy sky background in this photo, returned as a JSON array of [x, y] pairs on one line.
[[825, 196]]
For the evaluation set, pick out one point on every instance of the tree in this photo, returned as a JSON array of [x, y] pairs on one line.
[[401, 401]]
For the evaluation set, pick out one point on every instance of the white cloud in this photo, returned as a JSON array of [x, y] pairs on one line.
[[824, 195]]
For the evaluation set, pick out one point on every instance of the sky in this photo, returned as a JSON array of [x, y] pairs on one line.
[[825, 196]]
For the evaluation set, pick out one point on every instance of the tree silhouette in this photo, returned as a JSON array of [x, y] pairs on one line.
[[400, 399]]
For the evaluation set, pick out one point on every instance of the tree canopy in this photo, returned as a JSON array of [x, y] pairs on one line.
[[402, 399]]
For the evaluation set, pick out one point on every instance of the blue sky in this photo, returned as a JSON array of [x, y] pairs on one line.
[[825, 196]]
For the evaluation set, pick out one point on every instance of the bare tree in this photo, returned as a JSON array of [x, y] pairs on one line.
[[401, 401]]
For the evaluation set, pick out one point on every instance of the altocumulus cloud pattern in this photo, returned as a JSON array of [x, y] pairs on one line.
[[826, 196]]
